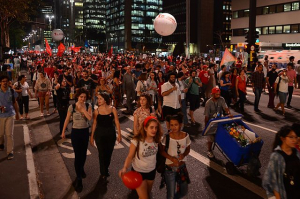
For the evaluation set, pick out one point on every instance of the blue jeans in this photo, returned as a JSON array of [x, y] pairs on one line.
[[257, 93], [170, 177], [184, 112]]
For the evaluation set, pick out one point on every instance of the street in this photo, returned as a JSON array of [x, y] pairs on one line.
[[208, 178]]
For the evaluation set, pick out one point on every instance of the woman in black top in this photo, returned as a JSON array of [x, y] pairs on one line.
[[63, 98], [104, 133]]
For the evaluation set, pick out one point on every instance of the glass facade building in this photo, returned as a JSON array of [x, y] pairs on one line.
[[129, 24], [94, 22]]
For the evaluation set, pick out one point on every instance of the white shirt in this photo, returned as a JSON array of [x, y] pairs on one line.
[[283, 86], [173, 144], [172, 99], [24, 87], [182, 87], [146, 161]]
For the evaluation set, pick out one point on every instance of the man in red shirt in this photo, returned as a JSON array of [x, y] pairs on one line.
[[238, 63], [291, 73], [204, 77]]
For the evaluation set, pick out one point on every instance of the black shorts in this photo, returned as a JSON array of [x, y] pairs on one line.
[[170, 111], [147, 176], [194, 102]]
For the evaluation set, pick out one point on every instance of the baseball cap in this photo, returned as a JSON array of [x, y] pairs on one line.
[[215, 90]]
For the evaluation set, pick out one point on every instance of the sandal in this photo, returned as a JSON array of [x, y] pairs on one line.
[[42, 115], [48, 113]]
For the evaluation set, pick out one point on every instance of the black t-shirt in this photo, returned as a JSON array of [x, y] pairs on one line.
[[272, 77], [68, 77], [63, 98], [88, 85]]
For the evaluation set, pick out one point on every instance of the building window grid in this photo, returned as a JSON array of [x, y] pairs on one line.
[[271, 9], [268, 30]]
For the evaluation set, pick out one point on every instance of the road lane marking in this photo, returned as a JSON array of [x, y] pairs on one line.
[[61, 142], [32, 181], [260, 127], [129, 130], [242, 181], [125, 134], [238, 179]]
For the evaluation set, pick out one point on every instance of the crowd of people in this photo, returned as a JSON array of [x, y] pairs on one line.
[[153, 90]]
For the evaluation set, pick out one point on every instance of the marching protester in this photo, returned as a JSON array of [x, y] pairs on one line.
[[241, 91], [270, 79], [142, 112], [258, 82], [281, 89], [129, 89], [42, 91], [63, 98], [104, 132], [215, 107], [176, 174], [183, 88], [22, 88], [225, 85], [142, 154], [282, 177], [171, 97], [8, 109], [193, 94], [291, 73], [81, 113]]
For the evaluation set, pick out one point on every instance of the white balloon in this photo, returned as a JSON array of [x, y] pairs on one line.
[[165, 24], [57, 34]]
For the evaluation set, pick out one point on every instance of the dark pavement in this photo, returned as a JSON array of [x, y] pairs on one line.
[[209, 178]]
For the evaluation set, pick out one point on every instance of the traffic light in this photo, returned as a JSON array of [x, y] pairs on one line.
[[256, 48], [256, 35], [247, 37]]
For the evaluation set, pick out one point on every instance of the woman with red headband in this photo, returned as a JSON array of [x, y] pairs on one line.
[[142, 154]]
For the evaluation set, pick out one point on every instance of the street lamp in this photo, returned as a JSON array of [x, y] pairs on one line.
[[50, 17]]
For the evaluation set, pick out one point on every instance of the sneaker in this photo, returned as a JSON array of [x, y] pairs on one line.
[[10, 156], [210, 154], [1, 147]]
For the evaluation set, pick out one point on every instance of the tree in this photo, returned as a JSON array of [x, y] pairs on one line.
[[11, 10], [219, 35]]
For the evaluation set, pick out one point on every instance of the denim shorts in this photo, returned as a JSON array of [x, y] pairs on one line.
[[282, 97]]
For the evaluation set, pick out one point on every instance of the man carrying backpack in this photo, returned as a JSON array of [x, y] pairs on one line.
[[8, 109]]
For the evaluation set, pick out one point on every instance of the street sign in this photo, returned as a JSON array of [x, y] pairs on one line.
[[252, 48]]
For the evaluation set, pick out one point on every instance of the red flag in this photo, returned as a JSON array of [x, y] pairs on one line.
[[111, 51], [48, 49], [60, 50], [76, 49], [227, 57]]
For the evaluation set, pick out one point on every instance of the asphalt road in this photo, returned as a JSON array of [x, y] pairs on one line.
[[208, 178]]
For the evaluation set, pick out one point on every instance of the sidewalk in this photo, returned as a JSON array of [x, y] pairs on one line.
[[38, 169]]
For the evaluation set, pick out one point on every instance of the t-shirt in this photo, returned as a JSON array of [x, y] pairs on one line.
[[6, 101], [194, 88], [292, 75], [79, 120], [272, 75], [63, 97], [147, 156], [212, 108], [88, 85], [68, 77], [204, 77], [141, 87], [24, 87], [172, 99], [173, 146], [283, 86]]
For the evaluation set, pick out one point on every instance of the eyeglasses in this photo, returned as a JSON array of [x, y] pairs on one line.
[[178, 149]]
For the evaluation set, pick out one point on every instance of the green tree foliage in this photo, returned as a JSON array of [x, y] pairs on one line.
[[11, 10]]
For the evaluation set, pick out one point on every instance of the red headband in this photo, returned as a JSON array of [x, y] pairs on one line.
[[149, 118]]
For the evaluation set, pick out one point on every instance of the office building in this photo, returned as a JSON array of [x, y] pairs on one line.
[[94, 23], [129, 24], [201, 15], [277, 22], [222, 24]]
